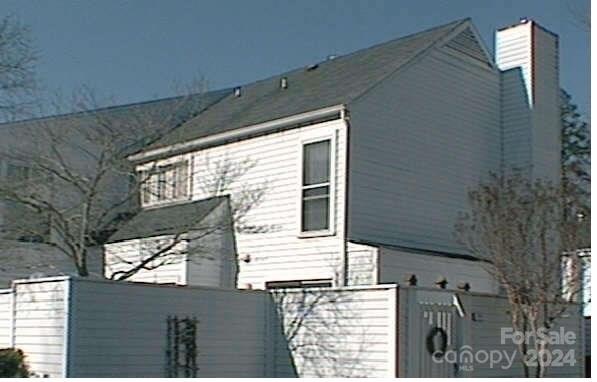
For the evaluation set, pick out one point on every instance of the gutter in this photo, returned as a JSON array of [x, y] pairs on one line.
[[240, 133]]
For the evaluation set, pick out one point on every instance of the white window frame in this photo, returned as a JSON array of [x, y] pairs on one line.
[[154, 199], [331, 230]]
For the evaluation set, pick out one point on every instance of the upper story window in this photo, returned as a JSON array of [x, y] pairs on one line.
[[165, 184], [316, 187], [17, 173]]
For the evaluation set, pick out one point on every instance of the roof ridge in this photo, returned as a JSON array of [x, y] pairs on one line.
[[361, 50]]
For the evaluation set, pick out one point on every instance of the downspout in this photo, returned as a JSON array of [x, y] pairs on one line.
[[345, 116]]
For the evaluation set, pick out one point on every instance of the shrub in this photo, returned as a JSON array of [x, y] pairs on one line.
[[12, 363]]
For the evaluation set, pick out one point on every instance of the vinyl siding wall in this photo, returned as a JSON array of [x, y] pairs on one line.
[[513, 50], [363, 264], [534, 52], [516, 121], [546, 108], [208, 261], [275, 168], [419, 141], [132, 250], [396, 266]]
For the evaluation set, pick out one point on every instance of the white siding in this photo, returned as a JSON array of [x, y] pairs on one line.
[[516, 121], [119, 329], [208, 260], [419, 141], [513, 50], [534, 51], [211, 260], [396, 266], [40, 322], [278, 254], [117, 254], [347, 332], [546, 107], [362, 264], [5, 317]]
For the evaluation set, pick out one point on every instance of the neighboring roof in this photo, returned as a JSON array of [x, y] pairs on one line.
[[170, 111], [193, 101], [20, 260], [332, 82], [167, 220]]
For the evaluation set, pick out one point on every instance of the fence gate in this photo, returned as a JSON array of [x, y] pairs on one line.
[[435, 331]]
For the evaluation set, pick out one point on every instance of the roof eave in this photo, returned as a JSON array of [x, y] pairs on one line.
[[238, 134]]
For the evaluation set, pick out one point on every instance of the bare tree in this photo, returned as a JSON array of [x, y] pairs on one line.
[[522, 228], [17, 64], [77, 180], [580, 11]]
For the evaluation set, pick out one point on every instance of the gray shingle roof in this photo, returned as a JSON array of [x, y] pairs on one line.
[[331, 83], [167, 220], [166, 113]]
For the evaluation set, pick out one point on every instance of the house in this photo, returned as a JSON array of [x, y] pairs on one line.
[[360, 163], [348, 173]]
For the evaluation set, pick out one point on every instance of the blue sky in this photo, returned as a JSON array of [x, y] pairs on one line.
[[135, 50]]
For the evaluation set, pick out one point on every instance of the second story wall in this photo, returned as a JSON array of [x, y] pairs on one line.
[[418, 142], [265, 173]]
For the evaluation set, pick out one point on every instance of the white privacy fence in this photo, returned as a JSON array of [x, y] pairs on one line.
[[478, 335], [96, 328], [117, 329], [5, 318], [347, 332], [32, 318]]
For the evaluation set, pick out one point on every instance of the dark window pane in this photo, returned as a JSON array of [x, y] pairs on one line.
[[316, 166], [316, 214]]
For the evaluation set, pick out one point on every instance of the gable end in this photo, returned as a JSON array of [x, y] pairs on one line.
[[467, 43]]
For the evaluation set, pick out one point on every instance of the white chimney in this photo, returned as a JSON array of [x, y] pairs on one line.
[[528, 54]]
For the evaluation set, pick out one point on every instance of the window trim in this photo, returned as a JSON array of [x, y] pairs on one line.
[[331, 230]]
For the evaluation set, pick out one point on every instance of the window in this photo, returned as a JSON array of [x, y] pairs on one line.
[[17, 173], [316, 186], [21, 174], [166, 183]]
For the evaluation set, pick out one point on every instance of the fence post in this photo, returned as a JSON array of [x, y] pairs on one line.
[[12, 324], [270, 331]]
